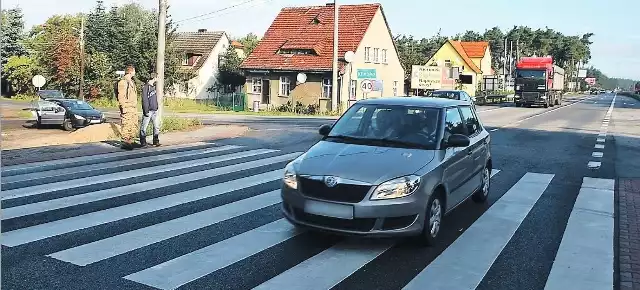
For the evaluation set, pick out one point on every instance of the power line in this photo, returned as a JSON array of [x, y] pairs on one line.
[[216, 11]]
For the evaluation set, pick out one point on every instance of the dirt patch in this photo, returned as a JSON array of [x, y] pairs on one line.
[[13, 113], [96, 133]]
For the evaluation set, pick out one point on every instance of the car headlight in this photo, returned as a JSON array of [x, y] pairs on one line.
[[544, 97], [79, 117], [396, 188], [290, 177]]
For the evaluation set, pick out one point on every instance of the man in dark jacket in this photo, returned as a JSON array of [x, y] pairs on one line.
[[150, 111]]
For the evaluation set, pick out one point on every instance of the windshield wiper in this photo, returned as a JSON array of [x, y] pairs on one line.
[[345, 137], [401, 143]]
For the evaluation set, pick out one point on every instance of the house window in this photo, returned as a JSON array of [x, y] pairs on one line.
[[256, 85], [384, 56], [367, 54], [285, 86], [395, 88], [190, 59], [326, 88], [376, 55], [447, 63], [352, 89]]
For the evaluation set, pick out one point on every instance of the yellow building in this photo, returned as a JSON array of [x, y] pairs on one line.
[[470, 58]]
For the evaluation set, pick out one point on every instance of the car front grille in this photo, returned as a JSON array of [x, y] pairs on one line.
[[528, 96], [358, 224], [341, 192]]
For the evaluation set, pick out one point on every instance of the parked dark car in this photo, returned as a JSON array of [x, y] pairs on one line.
[[390, 167], [68, 113]]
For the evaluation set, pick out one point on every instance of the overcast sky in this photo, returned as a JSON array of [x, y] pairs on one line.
[[616, 41]]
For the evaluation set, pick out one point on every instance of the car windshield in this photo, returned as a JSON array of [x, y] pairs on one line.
[[77, 105], [531, 74], [388, 125], [446, 95], [50, 94]]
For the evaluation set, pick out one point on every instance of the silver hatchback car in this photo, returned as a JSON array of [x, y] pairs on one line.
[[390, 167]]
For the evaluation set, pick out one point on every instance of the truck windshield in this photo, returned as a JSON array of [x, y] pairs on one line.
[[531, 74]]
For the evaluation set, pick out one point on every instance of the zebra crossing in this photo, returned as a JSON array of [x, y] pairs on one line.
[[95, 210]]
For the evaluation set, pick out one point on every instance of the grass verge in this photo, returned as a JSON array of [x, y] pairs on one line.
[[176, 124]]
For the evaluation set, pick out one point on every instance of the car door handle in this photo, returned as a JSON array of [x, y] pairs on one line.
[[469, 152]]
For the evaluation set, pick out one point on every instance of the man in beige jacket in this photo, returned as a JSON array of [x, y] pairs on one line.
[[128, 100]]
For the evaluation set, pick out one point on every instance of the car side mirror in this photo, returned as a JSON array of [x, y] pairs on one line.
[[325, 129], [458, 140]]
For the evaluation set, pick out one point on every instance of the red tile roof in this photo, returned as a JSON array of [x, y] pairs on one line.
[[311, 28], [237, 44], [457, 45], [475, 49]]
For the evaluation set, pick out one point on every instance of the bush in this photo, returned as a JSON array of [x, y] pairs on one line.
[[25, 97], [104, 103]]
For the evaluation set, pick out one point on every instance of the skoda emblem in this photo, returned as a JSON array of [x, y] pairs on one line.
[[331, 181]]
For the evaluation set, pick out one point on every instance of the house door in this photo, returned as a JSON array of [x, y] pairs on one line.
[[266, 92]]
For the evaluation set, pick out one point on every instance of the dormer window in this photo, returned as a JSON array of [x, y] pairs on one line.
[[296, 51], [190, 59], [315, 20]]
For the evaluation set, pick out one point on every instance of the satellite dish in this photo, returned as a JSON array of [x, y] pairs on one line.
[[302, 78], [348, 56]]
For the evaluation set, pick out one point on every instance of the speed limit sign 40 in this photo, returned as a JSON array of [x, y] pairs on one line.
[[366, 86]]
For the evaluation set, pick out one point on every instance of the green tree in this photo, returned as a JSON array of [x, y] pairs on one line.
[[495, 37], [19, 71], [11, 34], [229, 74], [249, 41]]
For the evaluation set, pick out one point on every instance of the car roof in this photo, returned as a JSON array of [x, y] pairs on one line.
[[456, 91], [426, 102]]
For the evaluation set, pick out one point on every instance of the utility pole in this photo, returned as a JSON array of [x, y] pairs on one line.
[[511, 58], [334, 78], [162, 22], [504, 65], [81, 90]]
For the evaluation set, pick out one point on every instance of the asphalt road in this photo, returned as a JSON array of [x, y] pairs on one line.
[[206, 216]]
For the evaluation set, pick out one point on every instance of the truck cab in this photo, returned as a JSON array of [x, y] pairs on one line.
[[538, 82]]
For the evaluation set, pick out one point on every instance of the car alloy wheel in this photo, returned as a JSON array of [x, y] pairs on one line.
[[435, 217], [482, 193]]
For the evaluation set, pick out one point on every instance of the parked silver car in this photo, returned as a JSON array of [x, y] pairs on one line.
[[390, 167]]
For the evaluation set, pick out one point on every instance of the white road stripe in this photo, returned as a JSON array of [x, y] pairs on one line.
[[59, 227], [465, 262], [585, 256], [599, 146], [123, 243], [494, 172], [36, 165], [600, 140], [47, 205], [330, 267], [114, 164], [187, 268], [604, 135], [40, 189], [597, 154], [594, 164]]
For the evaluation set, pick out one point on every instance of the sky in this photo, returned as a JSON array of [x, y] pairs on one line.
[[614, 51]]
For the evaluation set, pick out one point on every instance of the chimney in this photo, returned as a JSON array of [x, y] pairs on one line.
[[202, 30], [330, 4]]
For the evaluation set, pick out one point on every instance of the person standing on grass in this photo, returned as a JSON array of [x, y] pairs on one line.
[[128, 101], [150, 111]]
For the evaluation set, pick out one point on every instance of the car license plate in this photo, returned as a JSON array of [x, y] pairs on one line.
[[327, 209], [95, 121]]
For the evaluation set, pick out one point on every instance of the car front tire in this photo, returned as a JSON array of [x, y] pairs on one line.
[[67, 125], [432, 220]]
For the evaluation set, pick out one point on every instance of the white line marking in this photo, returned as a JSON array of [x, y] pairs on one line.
[[602, 135], [600, 140], [182, 270], [97, 156], [327, 269], [63, 226], [494, 172], [599, 146], [594, 164], [597, 154], [123, 243], [114, 164], [493, 130], [44, 188], [547, 112], [79, 199], [465, 262], [585, 256]]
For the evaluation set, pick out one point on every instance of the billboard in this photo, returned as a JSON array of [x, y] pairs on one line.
[[590, 81], [426, 77], [582, 73]]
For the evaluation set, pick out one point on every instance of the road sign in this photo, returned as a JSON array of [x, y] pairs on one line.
[[590, 81], [366, 86], [426, 77], [367, 73], [582, 73], [38, 81]]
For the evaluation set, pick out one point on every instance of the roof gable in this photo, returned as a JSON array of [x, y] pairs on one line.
[[475, 49], [457, 45], [310, 29], [201, 43]]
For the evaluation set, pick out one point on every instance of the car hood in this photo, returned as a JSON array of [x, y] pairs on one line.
[[370, 164]]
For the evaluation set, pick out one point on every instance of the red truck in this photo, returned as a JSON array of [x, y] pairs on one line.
[[538, 81]]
